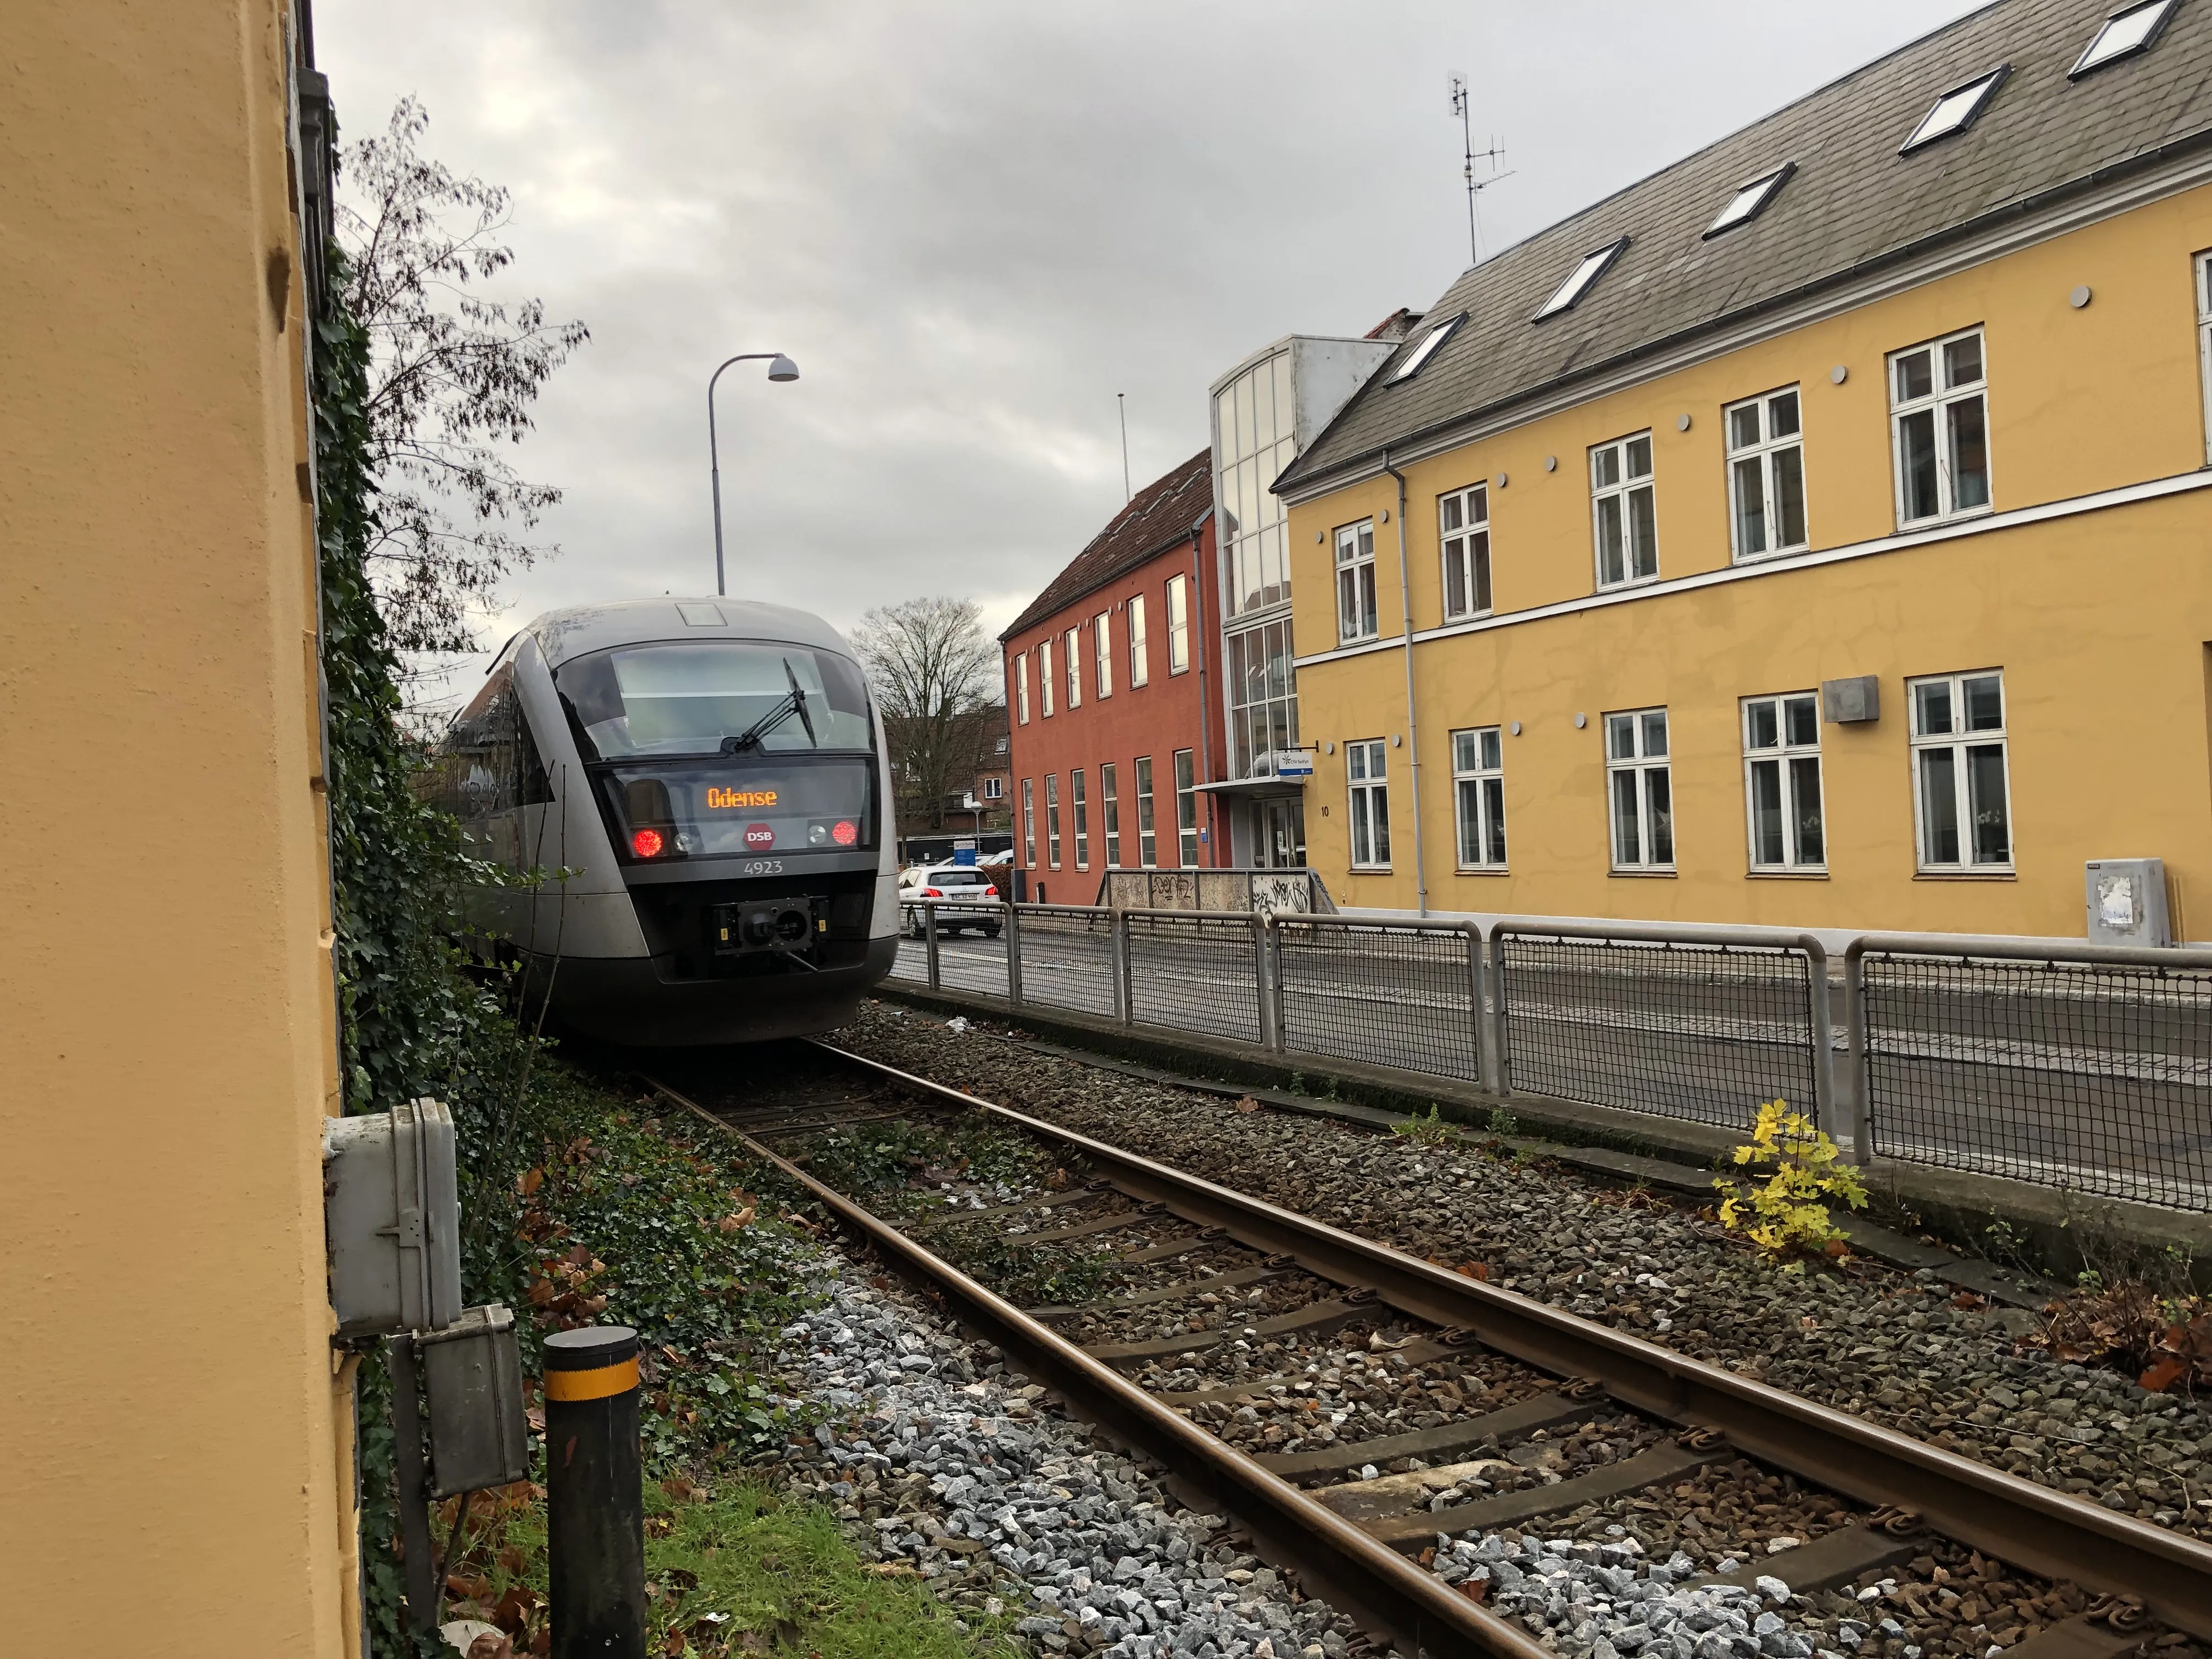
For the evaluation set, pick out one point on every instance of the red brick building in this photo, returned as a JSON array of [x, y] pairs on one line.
[[1113, 687]]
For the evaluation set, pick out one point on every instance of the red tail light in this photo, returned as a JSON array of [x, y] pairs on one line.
[[931, 892], [646, 843], [990, 892], [845, 832]]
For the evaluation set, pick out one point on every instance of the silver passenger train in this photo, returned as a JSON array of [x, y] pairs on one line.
[[710, 774]]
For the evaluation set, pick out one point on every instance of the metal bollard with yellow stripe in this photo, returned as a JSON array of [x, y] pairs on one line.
[[594, 1494]]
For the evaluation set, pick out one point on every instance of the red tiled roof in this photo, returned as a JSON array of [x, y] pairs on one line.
[[1158, 517]]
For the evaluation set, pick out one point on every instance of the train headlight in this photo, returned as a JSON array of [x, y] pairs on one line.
[[818, 834], [646, 843], [845, 832]]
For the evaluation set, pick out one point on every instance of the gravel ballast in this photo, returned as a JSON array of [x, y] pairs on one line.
[[961, 1470], [1905, 1350]]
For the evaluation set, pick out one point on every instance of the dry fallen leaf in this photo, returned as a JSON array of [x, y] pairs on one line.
[[1245, 1104], [529, 1181], [491, 1645], [2161, 1377]]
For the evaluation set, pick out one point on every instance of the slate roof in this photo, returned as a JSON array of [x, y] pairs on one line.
[[1854, 205], [1158, 517]]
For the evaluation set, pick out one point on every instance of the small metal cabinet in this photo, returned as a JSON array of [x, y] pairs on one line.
[[2127, 903], [391, 1214], [473, 1374]]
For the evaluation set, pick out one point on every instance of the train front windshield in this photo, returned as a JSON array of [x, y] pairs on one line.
[[701, 750]]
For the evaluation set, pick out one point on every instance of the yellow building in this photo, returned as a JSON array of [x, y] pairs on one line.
[[1812, 533], [175, 1429]]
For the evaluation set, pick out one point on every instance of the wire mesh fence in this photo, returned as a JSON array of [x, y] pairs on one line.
[[1068, 957], [1194, 972], [2094, 1076], [972, 956], [1700, 1032], [1386, 993]]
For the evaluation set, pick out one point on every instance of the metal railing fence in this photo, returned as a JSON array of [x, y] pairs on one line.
[[1194, 970], [1703, 1023], [2076, 1065], [1405, 993], [2089, 1069]]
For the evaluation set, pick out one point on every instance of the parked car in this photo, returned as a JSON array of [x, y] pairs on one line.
[[950, 882]]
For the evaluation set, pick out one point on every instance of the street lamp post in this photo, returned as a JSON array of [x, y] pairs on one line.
[[779, 368]]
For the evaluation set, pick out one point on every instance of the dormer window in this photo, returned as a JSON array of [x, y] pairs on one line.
[[2126, 32], [1427, 349], [1581, 278], [1954, 112], [1751, 199]]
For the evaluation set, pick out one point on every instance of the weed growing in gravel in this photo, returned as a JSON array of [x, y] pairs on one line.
[[1786, 1212], [1502, 1122], [1430, 1131], [735, 1572], [898, 1162], [1031, 1275], [635, 1222]]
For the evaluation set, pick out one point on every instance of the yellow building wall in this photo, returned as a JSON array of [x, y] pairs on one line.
[[174, 1432], [2099, 620]]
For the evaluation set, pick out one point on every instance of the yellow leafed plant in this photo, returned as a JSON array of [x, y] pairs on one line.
[[1793, 1173]]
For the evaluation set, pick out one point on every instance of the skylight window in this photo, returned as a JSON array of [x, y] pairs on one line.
[[1954, 112], [2126, 32], [1427, 349], [1750, 198], [1579, 280]]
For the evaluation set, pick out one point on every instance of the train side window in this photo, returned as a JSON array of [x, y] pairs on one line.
[[535, 788]]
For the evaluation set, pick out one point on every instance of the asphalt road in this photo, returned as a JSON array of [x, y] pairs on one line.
[[2112, 1097]]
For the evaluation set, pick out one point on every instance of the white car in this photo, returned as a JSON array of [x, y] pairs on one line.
[[949, 882]]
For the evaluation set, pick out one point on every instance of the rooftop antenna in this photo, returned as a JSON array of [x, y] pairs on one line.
[[1122, 407], [1494, 154]]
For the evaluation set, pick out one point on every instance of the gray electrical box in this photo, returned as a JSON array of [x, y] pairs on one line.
[[2127, 903], [392, 1218], [1845, 703], [472, 1375]]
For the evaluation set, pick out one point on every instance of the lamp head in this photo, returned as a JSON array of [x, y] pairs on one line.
[[782, 369]]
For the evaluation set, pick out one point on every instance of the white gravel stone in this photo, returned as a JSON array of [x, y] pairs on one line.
[[1106, 1561]]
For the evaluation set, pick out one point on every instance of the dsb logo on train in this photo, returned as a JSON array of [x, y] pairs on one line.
[[759, 837]]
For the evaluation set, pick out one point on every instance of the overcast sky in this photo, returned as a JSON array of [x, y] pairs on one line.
[[972, 225]]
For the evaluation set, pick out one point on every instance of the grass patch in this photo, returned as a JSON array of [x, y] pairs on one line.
[[899, 1165], [741, 1572]]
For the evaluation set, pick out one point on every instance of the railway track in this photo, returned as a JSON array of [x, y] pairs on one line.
[[1260, 1276]]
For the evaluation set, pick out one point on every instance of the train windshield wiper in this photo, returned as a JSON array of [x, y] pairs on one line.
[[793, 703]]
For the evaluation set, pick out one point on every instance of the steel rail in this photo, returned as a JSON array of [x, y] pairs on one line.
[[2048, 1533], [1337, 1561]]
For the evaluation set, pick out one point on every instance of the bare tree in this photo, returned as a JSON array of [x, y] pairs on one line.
[[453, 377], [934, 671]]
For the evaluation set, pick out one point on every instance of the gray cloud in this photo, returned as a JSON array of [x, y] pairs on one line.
[[972, 225]]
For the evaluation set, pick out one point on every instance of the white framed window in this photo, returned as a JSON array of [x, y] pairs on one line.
[[1109, 810], [1961, 789], [1782, 782], [1478, 796], [1052, 818], [2128, 31], [1463, 528], [1075, 668], [1022, 687], [1044, 674], [1366, 770], [2204, 340], [1178, 624], [1102, 639], [1939, 428], [1623, 514], [1766, 474], [1186, 783], [994, 789], [1029, 823], [1640, 790], [1355, 581], [1080, 806], [1147, 839], [1140, 665]]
